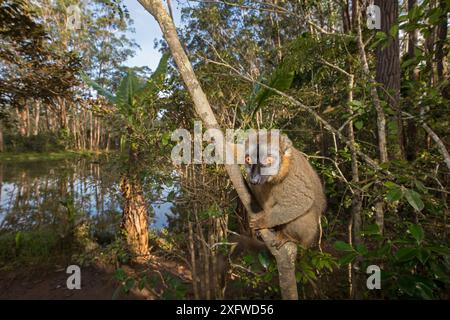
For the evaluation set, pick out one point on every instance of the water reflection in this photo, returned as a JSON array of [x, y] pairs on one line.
[[39, 193]]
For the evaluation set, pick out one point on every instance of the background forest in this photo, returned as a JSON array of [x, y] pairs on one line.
[[85, 143]]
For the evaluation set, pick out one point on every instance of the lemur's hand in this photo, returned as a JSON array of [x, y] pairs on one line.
[[258, 221]]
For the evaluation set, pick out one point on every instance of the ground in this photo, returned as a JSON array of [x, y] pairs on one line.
[[97, 283]]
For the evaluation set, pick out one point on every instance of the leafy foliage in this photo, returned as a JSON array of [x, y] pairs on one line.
[[413, 266]]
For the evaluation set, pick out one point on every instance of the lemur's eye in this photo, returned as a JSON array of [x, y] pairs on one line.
[[269, 160], [248, 160]]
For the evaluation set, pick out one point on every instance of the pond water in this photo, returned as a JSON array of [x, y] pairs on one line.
[[37, 193]]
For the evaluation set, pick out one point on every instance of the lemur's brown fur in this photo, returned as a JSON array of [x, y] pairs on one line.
[[292, 200]]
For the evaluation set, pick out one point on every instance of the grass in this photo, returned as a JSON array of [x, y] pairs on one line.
[[32, 247], [43, 156]]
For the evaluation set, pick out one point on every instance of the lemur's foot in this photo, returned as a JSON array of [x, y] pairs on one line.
[[279, 240]]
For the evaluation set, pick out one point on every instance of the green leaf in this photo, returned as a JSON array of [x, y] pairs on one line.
[[129, 284], [120, 274], [441, 250], [359, 124], [170, 196], [18, 239], [371, 230], [356, 104], [417, 232], [423, 255], [166, 138], [391, 185], [157, 78], [347, 258], [406, 254], [385, 249], [281, 79], [394, 31], [414, 199], [343, 246], [425, 291], [362, 249], [249, 259], [127, 92], [264, 260], [142, 283], [394, 194], [420, 186]]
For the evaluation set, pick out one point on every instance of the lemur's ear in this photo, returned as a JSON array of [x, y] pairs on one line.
[[285, 144]]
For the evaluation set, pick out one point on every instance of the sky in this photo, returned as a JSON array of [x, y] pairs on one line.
[[147, 30]]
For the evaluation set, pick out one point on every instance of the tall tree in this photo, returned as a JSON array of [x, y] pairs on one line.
[[388, 64], [411, 129]]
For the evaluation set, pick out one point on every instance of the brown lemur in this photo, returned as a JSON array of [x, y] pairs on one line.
[[286, 187]]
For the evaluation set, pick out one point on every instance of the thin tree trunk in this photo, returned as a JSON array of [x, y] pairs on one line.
[[429, 48], [193, 262], [26, 120], [345, 12], [37, 114], [356, 201], [91, 131], [286, 255], [381, 118], [2, 146], [356, 7], [63, 113]]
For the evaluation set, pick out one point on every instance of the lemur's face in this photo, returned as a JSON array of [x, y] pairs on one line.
[[262, 158]]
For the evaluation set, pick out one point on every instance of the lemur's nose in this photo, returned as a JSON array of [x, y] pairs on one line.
[[255, 179]]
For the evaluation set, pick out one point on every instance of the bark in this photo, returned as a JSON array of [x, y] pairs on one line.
[[429, 48], [346, 24], [37, 114], [285, 256], [357, 200], [388, 66], [26, 119], [135, 216], [21, 113], [193, 262], [441, 49], [63, 113], [355, 12], [91, 131], [411, 141], [2, 147], [381, 117]]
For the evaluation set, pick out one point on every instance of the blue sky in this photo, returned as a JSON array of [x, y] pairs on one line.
[[147, 30]]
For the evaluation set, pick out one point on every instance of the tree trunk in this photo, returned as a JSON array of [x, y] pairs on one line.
[[2, 147], [381, 118], [411, 141], [37, 114], [26, 121], [286, 255], [441, 49], [63, 113], [91, 131], [356, 6], [21, 119], [388, 66], [135, 215]]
